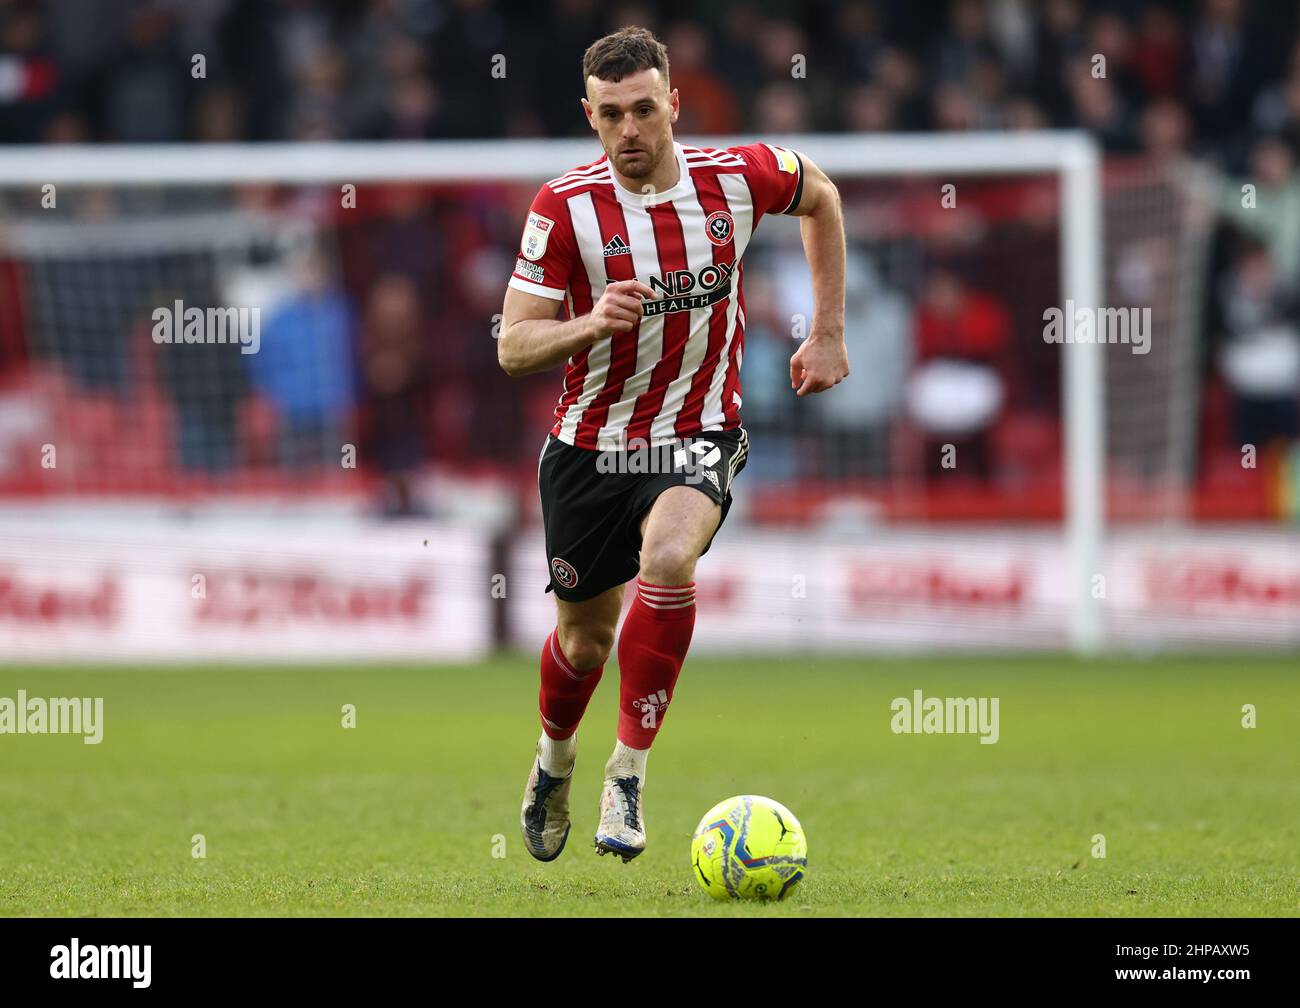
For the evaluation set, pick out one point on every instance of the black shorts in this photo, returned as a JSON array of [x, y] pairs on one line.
[[593, 503]]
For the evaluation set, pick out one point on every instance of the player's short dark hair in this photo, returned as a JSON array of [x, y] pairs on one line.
[[624, 52]]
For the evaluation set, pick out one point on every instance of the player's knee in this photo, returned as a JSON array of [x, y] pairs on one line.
[[586, 648], [668, 563]]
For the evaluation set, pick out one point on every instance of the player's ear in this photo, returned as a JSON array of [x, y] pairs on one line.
[[586, 110], [676, 104]]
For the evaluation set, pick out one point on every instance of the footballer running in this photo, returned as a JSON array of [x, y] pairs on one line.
[[629, 273]]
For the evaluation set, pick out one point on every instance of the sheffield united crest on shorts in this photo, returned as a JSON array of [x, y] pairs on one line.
[[719, 227], [563, 572]]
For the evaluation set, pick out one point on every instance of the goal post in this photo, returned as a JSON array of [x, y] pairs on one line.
[[1071, 157]]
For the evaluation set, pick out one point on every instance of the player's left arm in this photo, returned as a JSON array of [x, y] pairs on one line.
[[821, 360]]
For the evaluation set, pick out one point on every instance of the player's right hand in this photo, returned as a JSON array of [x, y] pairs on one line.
[[619, 308]]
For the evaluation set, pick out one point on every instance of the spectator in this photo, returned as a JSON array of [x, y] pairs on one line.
[[29, 77], [769, 406], [858, 42], [145, 88], [956, 392], [782, 108], [413, 110], [1060, 42], [462, 52], [1159, 59], [735, 49], [1164, 130], [1099, 107], [1270, 209], [1111, 38], [870, 109], [1260, 357], [966, 44], [546, 77], [1224, 64], [320, 109], [304, 366], [709, 108], [395, 368], [897, 73], [878, 333]]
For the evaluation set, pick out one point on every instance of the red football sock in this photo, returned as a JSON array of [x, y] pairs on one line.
[[651, 649], [565, 691]]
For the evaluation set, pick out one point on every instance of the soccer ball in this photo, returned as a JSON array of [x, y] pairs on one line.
[[749, 847]]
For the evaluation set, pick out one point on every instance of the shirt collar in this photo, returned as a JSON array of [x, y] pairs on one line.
[[632, 199]]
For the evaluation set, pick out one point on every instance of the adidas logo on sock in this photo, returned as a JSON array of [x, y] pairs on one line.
[[617, 246], [651, 707], [655, 701]]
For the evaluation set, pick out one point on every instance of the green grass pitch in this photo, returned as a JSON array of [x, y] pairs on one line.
[[403, 814]]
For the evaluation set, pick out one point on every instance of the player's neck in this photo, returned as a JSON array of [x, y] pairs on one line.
[[663, 178]]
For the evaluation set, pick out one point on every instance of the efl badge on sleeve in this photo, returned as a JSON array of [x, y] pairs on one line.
[[536, 233]]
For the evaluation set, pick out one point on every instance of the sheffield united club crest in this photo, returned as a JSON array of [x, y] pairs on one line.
[[719, 227]]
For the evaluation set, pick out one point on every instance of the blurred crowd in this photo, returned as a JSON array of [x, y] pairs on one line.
[[1205, 75], [1214, 82]]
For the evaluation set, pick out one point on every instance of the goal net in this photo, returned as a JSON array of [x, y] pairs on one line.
[[317, 323]]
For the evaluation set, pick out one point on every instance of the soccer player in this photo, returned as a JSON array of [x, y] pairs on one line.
[[641, 250]]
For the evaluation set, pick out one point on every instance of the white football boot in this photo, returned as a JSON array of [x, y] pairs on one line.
[[544, 817], [622, 828]]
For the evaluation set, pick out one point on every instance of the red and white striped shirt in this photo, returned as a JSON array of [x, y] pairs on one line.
[[677, 373]]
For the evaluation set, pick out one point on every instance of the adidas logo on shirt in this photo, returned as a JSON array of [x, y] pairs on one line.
[[617, 246]]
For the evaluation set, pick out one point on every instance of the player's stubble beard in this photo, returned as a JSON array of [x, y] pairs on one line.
[[643, 167]]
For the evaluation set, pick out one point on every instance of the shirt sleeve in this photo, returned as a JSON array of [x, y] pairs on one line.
[[547, 249], [775, 177]]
